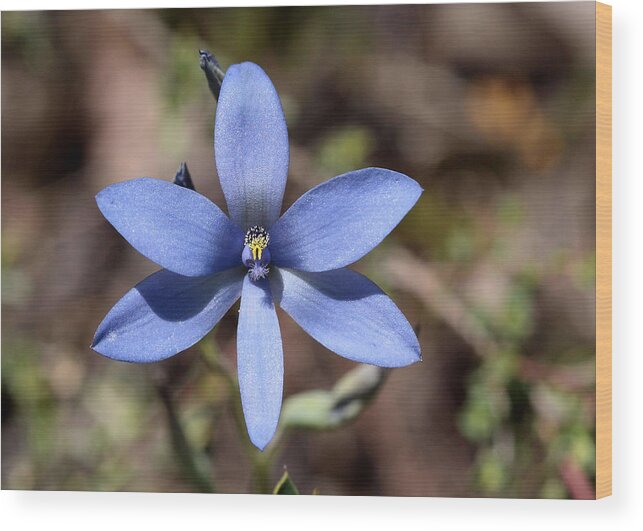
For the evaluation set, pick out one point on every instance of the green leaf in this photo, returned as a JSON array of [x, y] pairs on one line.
[[310, 410], [326, 410], [285, 485]]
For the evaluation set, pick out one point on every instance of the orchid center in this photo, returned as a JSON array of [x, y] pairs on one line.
[[256, 255]]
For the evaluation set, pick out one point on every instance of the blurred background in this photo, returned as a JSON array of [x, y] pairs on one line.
[[490, 107]]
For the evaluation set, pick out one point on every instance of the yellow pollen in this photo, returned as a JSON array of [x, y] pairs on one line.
[[257, 239], [257, 248]]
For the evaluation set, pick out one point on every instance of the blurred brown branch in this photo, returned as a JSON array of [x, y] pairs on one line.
[[576, 481], [418, 278]]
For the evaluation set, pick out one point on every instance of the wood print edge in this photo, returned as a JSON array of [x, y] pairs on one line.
[[603, 250]]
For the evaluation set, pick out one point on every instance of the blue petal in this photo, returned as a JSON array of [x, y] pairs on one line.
[[251, 146], [339, 221], [260, 361], [165, 314], [348, 314], [175, 227]]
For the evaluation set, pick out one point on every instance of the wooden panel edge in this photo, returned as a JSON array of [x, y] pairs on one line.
[[603, 250]]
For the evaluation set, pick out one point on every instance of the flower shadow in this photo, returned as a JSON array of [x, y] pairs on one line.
[[174, 297], [338, 284]]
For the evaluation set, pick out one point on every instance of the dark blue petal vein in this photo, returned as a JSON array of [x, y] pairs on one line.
[[251, 146], [348, 314], [165, 314], [339, 221], [259, 361], [175, 227]]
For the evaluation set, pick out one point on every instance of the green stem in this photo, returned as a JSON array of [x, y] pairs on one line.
[[210, 356], [261, 472], [191, 461], [261, 462]]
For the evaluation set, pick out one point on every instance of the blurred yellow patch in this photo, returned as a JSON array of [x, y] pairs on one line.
[[508, 114]]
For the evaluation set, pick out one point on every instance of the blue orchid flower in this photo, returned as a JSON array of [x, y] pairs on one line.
[[296, 260]]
